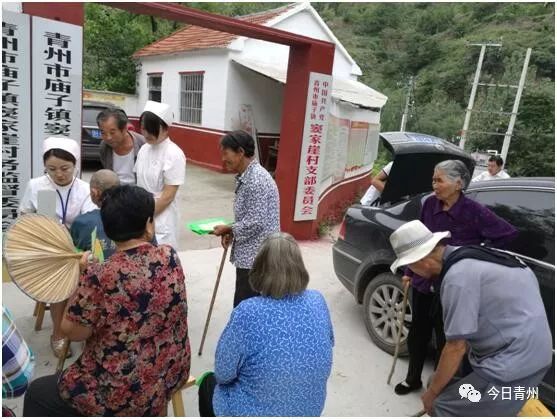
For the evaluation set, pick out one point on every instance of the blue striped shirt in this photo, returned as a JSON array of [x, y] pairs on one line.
[[18, 361]]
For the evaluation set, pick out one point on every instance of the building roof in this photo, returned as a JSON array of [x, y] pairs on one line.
[[346, 90], [192, 37]]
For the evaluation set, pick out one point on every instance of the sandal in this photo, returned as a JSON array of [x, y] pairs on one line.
[[57, 346], [404, 388]]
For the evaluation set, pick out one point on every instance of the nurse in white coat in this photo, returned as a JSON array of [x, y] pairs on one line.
[[60, 156], [161, 169]]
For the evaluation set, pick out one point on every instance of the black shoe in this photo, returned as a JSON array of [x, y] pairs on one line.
[[404, 388]]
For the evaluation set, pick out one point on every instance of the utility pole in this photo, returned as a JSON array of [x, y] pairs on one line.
[[473, 92], [509, 133], [408, 95]]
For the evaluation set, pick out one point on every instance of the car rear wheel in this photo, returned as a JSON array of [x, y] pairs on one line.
[[382, 310]]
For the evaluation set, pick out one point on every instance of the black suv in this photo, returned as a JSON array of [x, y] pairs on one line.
[[362, 254]]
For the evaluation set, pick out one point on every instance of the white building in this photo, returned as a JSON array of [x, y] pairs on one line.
[[209, 78]]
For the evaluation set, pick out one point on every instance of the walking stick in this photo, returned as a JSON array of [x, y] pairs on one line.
[[62, 359], [212, 301], [399, 337]]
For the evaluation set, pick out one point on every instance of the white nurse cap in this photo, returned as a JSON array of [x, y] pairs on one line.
[[162, 110], [64, 143]]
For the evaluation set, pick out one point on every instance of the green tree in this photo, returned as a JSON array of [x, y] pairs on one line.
[[390, 42], [111, 36]]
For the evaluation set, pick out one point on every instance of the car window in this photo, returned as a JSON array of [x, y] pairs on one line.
[[90, 115], [532, 212]]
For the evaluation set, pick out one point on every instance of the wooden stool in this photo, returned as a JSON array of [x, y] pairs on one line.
[[5, 274], [177, 401], [40, 308], [534, 408]]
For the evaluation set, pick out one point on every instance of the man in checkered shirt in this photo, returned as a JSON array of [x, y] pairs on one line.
[[18, 361]]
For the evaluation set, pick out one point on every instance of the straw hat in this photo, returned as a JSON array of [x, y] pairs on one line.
[[63, 143], [40, 258], [162, 110], [412, 242]]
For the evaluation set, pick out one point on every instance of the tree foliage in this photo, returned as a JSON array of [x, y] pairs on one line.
[[391, 42], [430, 41]]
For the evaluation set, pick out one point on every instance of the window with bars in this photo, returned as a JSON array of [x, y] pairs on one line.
[[191, 97], [154, 83]]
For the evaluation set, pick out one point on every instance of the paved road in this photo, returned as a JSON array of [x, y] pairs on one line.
[[357, 386], [206, 194]]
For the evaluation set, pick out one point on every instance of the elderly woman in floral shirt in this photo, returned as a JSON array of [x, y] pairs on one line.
[[256, 208], [132, 313]]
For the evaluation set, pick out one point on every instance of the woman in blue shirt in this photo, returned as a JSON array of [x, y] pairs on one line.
[[275, 355]]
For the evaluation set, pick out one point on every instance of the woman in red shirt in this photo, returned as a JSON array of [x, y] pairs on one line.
[[132, 313]]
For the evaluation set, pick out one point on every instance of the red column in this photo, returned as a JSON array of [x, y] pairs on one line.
[[64, 12], [303, 60]]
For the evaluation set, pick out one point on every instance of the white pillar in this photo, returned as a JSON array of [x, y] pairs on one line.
[[509, 133]]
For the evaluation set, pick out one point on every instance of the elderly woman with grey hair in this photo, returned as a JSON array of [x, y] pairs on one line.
[[469, 223], [275, 355]]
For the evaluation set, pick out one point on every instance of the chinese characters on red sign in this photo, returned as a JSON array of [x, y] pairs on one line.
[[311, 157]]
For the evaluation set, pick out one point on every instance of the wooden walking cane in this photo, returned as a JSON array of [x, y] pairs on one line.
[[399, 337], [213, 300], [62, 359]]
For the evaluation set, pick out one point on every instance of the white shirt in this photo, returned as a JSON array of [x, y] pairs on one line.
[[156, 166], [123, 166], [77, 202], [372, 194], [486, 176]]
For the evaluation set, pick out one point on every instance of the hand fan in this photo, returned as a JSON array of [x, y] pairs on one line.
[[40, 258]]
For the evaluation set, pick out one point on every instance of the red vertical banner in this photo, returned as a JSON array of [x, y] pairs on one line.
[[311, 153]]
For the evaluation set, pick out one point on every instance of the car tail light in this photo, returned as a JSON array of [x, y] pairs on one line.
[[342, 230]]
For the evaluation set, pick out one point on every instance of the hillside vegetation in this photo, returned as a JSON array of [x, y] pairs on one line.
[[393, 42]]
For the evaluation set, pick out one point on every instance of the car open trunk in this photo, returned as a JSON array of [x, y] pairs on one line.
[[415, 156]]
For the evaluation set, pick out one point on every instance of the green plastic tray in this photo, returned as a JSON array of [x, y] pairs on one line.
[[206, 226]]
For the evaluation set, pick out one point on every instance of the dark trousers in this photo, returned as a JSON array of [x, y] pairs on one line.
[[419, 336], [205, 393], [42, 399], [243, 288]]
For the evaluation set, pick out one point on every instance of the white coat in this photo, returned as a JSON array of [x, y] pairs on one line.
[[74, 197], [156, 166]]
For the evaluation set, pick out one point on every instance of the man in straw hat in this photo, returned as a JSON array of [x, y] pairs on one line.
[[83, 226], [492, 309]]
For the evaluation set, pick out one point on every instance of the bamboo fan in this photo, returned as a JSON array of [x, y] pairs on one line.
[[40, 258]]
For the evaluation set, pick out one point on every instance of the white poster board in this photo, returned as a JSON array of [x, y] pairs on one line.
[[311, 157], [351, 144], [57, 49], [16, 118], [247, 123]]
